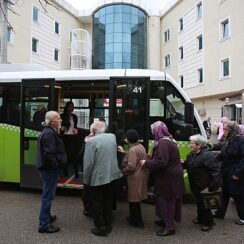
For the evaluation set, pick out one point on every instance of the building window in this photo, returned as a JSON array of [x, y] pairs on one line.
[[200, 75], [167, 61], [181, 53], [167, 35], [181, 24], [181, 81], [56, 54], [35, 45], [199, 42], [199, 10], [225, 68], [35, 14], [57, 27], [225, 29], [10, 35]]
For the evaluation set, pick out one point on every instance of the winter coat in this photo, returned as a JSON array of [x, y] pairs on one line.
[[203, 170], [137, 176], [167, 170], [232, 157]]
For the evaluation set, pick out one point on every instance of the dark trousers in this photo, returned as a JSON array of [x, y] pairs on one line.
[[70, 143], [135, 213], [50, 179], [87, 199], [102, 202], [204, 215], [239, 202]]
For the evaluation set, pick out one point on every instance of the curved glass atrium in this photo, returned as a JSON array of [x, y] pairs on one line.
[[119, 37]]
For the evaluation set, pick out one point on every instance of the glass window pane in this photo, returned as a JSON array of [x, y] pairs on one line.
[[126, 27], [126, 57], [118, 27], [117, 65], [127, 9], [109, 9], [109, 48], [135, 11], [118, 47], [109, 37], [117, 37], [109, 18], [126, 38], [109, 28], [118, 17], [117, 57], [126, 18], [126, 47], [118, 8], [109, 58], [134, 19]]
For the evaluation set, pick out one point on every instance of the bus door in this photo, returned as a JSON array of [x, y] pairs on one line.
[[37, 97], [129, 106]]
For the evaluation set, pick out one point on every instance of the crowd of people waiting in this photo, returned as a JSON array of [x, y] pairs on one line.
[[101, 171]]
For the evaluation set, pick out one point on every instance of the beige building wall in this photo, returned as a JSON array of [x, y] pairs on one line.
[[154, 47], [20, 51], [208, 97]]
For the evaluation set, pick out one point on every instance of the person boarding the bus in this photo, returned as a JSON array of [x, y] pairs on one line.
[[50, 157], [69, 131], [100, 172]]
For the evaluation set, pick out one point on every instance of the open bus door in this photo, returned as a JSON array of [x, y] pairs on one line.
[[37, 97], [129, 106]]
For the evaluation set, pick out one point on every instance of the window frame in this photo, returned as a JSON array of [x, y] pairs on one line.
[[56, 31], [181, 53], [167, 35], [222, 68], [56, 54], [181, 24], [199, 42], [36, 45], [200, 79], [35, 19], [167, 61], [199, 10], [223, 24]]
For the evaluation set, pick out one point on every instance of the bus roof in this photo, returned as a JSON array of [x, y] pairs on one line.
[[94, 74]]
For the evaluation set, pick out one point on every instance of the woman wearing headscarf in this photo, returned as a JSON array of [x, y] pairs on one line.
[[220, 127], [203, 172], [232, 158], [168, 178], [136, 176]]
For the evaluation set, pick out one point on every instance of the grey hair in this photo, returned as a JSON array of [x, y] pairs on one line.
[[49, 117], [199, 140], [98, 126]]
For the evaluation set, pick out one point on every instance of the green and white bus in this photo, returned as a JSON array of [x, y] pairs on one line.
[[124, 99]]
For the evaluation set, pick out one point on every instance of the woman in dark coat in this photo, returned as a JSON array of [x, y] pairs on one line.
[[168, 178], [232, 158], [203, 172]]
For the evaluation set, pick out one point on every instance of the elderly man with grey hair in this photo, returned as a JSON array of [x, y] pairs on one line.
[[100, 171], [203, 172], [50, 157]]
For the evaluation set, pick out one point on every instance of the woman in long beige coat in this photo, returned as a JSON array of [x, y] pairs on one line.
[[137, 177]]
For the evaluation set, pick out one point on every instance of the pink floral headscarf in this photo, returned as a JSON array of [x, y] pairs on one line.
[[160, 131]]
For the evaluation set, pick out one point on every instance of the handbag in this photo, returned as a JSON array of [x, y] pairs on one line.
[[213, 199]]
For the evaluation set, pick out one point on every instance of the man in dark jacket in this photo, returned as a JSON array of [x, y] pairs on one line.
[[50, 157]]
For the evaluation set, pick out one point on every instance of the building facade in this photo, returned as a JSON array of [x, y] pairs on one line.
[[198, 42]]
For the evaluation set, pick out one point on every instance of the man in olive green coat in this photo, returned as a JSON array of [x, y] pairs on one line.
[[100, 172]]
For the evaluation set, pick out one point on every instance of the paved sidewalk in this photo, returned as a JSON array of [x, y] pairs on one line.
[[19, 218]]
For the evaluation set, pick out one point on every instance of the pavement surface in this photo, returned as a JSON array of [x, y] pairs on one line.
[[19, 210]]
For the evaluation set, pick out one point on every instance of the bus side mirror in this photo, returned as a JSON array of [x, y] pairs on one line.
[[189, 113]]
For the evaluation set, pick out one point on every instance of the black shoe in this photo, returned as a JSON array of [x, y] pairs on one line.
[[100, 231], [164, 232], [49, 229], [52, 218], [159, 223], [239, 222]]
